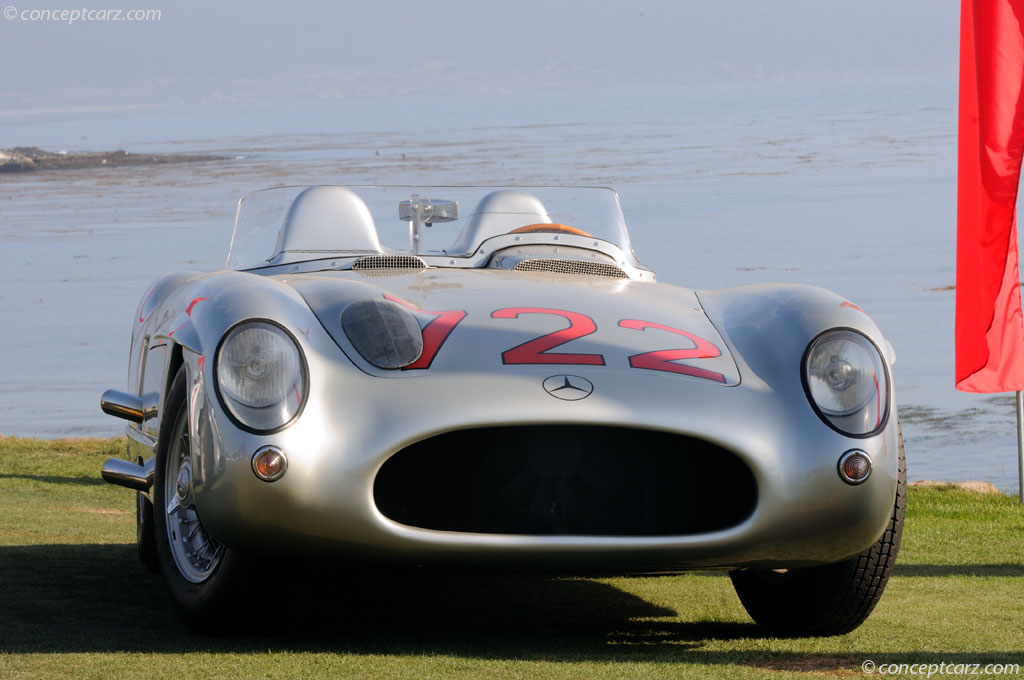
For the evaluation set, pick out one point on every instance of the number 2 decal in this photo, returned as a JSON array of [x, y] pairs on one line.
[[536, 351], [664, 360]]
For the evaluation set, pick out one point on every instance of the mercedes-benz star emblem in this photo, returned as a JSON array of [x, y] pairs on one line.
[[568, 387]]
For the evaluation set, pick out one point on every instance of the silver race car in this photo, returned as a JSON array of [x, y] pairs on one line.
[[367, 382]]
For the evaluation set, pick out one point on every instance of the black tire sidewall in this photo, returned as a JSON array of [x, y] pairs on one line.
[[203, 604], [832, 599], [145, 541]]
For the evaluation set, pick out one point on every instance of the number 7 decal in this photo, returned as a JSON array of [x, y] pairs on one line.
[[434, 333], [536, 351], [664, 360]]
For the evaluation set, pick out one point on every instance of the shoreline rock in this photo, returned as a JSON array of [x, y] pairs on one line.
[[977, 487], [31, 159], [15, 162]]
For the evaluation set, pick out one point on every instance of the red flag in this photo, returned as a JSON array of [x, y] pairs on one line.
[[989, 330]]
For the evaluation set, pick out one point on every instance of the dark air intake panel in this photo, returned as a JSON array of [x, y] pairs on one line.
[[566, 480]]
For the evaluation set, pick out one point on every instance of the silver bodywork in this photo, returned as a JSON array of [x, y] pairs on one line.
[[357, 416]]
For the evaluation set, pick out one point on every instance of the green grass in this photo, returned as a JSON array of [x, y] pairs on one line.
[[75, 602]]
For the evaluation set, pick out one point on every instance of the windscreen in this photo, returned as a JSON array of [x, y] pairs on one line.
[[297, 224]]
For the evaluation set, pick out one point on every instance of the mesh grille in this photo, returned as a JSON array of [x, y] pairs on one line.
[[566, 480], [389, 262], [563, 266]]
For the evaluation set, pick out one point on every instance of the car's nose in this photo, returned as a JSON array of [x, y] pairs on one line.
[[354, 423]]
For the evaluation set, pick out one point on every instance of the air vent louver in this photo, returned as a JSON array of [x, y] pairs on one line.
[[566, 266], [389, 262]]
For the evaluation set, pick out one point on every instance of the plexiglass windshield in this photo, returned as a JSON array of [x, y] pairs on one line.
[[297, 224]]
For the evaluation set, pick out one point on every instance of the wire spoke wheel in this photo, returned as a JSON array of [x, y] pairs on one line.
[[195, 552]]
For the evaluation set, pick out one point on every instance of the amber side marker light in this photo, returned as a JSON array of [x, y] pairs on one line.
[[855, 466], [269, 463]]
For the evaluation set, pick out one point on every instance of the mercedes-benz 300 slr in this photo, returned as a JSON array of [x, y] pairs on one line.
[[489, 377]]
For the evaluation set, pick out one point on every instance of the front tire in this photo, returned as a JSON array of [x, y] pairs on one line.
[[203, 575], [832, 599]]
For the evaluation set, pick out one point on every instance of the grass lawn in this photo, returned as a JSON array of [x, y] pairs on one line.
[[75, 602]]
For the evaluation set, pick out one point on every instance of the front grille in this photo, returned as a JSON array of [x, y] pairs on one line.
[[566, 480], [566, 266], [389, 262]]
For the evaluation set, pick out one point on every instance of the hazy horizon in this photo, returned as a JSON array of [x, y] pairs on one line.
[[237, 52]]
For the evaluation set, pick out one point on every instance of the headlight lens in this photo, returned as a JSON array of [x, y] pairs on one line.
[[261, 375], [847, 382]]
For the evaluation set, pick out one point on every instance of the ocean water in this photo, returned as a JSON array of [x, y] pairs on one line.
[[845, 184]]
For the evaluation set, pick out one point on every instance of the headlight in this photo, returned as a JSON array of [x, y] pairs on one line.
[[261, 375], [846, 382]]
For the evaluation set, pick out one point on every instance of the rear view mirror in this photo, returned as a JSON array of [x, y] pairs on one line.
[[419, 210], [428, 210]]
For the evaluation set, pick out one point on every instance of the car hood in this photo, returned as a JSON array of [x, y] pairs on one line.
[[476, 320]]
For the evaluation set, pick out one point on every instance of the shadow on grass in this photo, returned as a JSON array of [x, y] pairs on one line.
[[959, 569], [53, 479], [97, 598]]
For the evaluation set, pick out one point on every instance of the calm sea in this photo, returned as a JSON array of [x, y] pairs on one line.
[[845, 184]]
